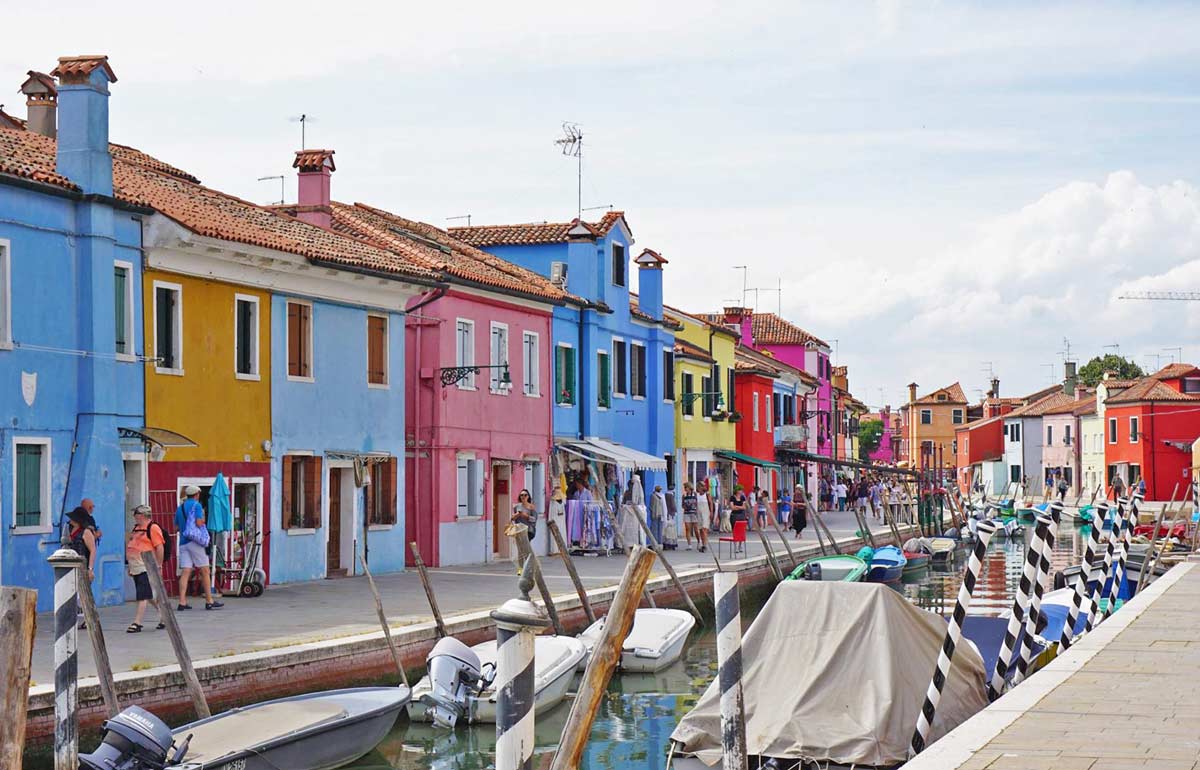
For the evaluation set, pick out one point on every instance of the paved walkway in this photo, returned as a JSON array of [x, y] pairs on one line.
[[327, 609], [1125, 697]]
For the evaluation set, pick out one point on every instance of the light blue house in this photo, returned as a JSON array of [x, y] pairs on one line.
[[71, 348], [613, 360]]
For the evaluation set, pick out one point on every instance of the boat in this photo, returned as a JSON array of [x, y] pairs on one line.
[[317, 731], [941, 548], [459, 686], [654, 642], [916, 560], [838, 568], [887, 565]]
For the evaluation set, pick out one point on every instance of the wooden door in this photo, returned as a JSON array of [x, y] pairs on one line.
[[333, 549]]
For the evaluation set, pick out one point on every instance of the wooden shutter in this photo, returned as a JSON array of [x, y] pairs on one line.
[[312, 492], [640, 385], [295, 343], [604, 375], [389, 515], [285, 494], [668, 376], [570, 374], [560, 382], [376, 356]]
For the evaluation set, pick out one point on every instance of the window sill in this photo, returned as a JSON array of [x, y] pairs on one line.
[[298, 531], [619, 395], [247, 377], [41, 529], [468, 519], [378, 386], [639, 398], [380, 527], [171, 372], [669, 401], [301, 379], [496, 392], [565, 406], [687, 417], [532, 395], [127, 357], [466, 387]]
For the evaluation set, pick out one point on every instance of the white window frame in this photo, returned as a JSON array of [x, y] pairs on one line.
[[387, 359], [497, 387], [178, 289], [924, 412], [769, 414], [475, 493], [45, 526], [130, 354], [1135, 425], [754, 409], [468, 382], [644, 374], [6, 336], [310, 342], [957, 417], [532, 375], [577, 396], [1113, 431], [255, 373]]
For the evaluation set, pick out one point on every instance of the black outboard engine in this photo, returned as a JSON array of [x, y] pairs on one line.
[[812, 571], [135, 739]]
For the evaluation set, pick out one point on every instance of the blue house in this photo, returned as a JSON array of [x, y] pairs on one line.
[[71, 346], [614, 359]]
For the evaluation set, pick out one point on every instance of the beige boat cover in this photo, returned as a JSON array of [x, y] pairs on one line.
[[837, 672]]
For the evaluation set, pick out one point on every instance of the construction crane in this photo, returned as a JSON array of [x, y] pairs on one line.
[[1185, 296]]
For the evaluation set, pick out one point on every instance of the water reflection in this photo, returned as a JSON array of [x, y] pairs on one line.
[[639, 713]]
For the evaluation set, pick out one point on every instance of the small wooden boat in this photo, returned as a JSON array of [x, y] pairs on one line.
[[917, 560], [887, 565], [941, 548], [655, 641], [842, 568]]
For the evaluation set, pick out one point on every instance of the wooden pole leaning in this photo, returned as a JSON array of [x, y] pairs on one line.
[[520, 534], [387, 630], [606, 655], [569, 563], [1159, 552], [820, 522], [620, 540], [18, 624], [666, 564], [190, 680], [439, 624], [786, 547], [775, 569], [104, 672]]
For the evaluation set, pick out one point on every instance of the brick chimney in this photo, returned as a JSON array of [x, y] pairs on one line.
[[313, 202], [650, 282], [912, 392], [743, 319], [995, 391], [83, 155], [41, 101]]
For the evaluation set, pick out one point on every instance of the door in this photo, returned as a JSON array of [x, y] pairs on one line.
[[135, 495], [333, 547], [501, 508]]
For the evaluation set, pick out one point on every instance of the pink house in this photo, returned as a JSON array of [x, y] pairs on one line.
[[886, 452], [478, 396]]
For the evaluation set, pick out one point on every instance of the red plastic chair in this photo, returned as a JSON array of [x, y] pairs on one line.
[[737, 541]]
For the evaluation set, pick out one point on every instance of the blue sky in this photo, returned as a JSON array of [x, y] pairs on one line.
[[935, 184]]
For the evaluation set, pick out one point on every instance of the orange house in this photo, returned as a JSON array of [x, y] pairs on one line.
[[931, 421]]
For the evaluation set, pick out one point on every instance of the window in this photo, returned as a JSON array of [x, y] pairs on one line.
[[464, 350], [1067, 435], [926, 416], [530, 364], [1049, 435], [299, 340], [941, 396], [381, 494], [470, 487], [1112, 430], [31, 485], [564, 375], [1014, 473], [754, 417], [688, 381], [1014, 432], [1133, 430], [618, 264], [620, 368], [778, 406], [957, 417], [301, 499], [122, 308], [603, 379], [5, 295], [499, 338], [377, 350], [668, 375], [245, 337], [1191, 384], [767, 411], [729, 387], [709, 399], [168, 323], [637, 369]]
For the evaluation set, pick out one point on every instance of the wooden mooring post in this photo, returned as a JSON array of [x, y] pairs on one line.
[[190, 680], [104, 672], [729, 671], [387, 630], [18, 624], [439, 624], [520, 535], [569, 563]]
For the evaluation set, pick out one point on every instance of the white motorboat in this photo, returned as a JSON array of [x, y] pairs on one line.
[[655, 641], [459, 686]]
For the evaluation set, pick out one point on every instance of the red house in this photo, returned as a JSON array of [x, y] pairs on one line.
[[981, 442], [1149, 429], [755, 464]]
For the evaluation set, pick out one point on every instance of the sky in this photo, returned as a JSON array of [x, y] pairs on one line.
[[942, 190]]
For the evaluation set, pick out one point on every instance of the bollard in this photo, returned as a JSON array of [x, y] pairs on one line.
[[953, 634], [67, 564], [1081, 587], [1095, 591], [1034, 614], [1122, 553], [729, 671], [517, 623], [18, 624], [1033, 557]]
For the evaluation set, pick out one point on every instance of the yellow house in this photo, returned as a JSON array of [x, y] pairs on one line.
[[704, 380], [931, 422]]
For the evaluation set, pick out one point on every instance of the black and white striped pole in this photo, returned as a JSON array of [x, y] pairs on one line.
[[1122, 554], [1082, 590], [517, 624], [983, 534], [67, 564], [1096, 591], [1033, 558], [1048, 523], [729, 671]]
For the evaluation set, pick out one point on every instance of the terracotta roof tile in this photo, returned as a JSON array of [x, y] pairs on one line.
[[1150, 389], [954, 395], [40, 79], [534, 233], [651, 257], [770, 329], [78, 68], [688, 350], [1043, 405], [1173, 371], [132, 155], [29, 155], [314, 160], [1087, 406]]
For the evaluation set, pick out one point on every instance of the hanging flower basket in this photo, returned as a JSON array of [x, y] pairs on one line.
[[735, 416]]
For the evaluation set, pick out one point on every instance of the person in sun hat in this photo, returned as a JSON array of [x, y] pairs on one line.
[[193, 539], [145, 536]]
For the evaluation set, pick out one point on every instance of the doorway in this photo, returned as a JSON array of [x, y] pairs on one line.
[[135, 494], [339, 547], [501, 508]]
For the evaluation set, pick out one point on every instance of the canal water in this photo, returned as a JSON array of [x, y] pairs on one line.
[[640, 712]]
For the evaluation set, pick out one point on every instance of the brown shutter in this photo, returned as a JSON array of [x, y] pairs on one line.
[[376, 327], [305, 341], [312, 490], [294, 341], [389, 516], [285, 495]]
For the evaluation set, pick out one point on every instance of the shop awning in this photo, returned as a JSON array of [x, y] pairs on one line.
[[156, 437], [796, 455], [606, 451], [351, 454], [738, 457]]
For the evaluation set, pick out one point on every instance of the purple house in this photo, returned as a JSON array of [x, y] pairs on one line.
[[887, 451]]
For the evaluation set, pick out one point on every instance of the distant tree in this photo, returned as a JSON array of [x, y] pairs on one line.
[[869, 434], [1093, 371]]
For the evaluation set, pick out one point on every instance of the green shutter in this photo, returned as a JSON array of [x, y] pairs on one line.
[[604, 375], [120, 319], [558, 375], [570, 374], [29, 485]]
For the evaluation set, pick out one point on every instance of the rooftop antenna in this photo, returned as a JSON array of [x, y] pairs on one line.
[[780, 290], [461, 216], [1051, 372], [572, 147], [1157, 359], [303, 119], [1067, 349], [1177, 351], [745, 273], [1115, 346], [280, 178], [607, 207], [835, 350]]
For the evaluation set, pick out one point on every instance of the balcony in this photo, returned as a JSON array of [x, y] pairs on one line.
[[793, 434]]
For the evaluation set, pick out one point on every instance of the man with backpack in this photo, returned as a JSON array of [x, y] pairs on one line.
[[193, 540], [146, 536]]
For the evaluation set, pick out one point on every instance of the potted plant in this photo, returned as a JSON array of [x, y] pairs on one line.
[[735, 416], [719, 414]]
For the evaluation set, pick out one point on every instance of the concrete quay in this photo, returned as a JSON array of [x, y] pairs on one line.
[[1124, 698]]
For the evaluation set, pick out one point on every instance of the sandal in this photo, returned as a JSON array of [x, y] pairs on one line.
[[161, 626], [134, 628]]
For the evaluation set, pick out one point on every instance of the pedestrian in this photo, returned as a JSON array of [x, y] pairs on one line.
[[704, 510], [145, 536], [761, 509], [739, 506], [799, 512], [784, 506], [691, 514], [193, 539], [524, 512], [862, 490], [841, 491], [672, 527], [658, 513]]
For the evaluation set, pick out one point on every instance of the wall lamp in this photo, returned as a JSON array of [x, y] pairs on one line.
[[454, 374]]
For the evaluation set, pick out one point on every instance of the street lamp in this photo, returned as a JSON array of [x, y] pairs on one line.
[[453, 374]]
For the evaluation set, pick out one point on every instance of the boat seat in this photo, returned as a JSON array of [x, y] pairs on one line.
[[252, 726]]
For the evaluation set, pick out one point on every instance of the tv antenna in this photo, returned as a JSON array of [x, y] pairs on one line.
[[1157, 359], [1066, 349], [280, 177], [779, 290], [1178, 354], [460, 216], [1116, 348], [606, 207], [987, 367], [303, 119], [572, 147], [745, 273]]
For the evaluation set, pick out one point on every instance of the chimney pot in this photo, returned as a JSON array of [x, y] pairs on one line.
[[912, 392], [82, 151], [41, 102], [313, 202], [1070, 380]]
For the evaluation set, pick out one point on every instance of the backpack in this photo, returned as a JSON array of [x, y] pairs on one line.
[[168, 542]]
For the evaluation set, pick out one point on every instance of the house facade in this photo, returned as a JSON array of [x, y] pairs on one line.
[[979, 455], [756, 413], [931, 422], [1150, 428], [1063, 451], [886, 452]]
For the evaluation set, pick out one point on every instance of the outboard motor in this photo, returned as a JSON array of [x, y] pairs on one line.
[[135, 739], [812, 571], [456, 677]]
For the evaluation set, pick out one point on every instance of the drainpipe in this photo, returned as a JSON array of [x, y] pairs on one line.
[[578, 375], [428, 299]]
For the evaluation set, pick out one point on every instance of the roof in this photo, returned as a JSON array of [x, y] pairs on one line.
[[1043, 405], [534, 233], [771, 329], [1114, 383], [10, 121], [688, 350], [980, 423], [1069, 407], [703, 320], [1086, 407], [1150, 389], [840, 371], [77, 68], [954, 395], [1173, 371], [650, 257], [41, 79], [745, 361], [314, 160]]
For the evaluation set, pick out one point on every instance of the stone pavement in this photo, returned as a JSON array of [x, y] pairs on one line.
[[1124, 698], [328, 609]]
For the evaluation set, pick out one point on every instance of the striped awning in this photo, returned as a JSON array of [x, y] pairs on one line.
[[606, 451]]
